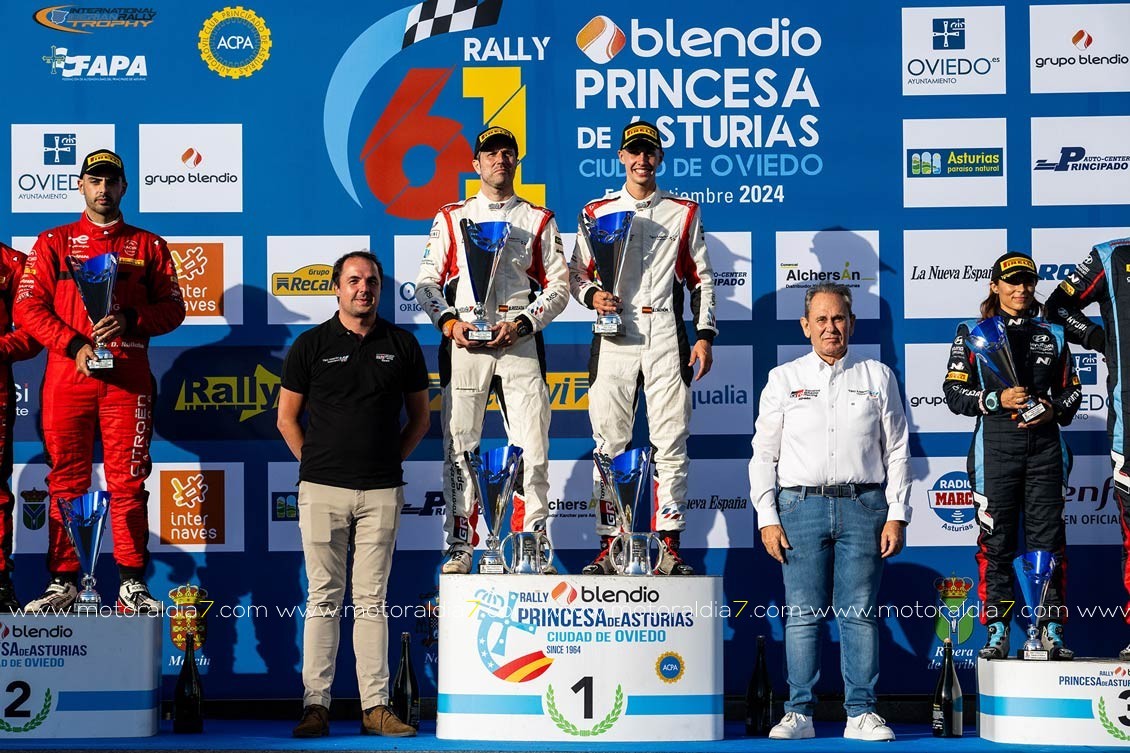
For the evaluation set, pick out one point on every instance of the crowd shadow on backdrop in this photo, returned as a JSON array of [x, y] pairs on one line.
[[843, 256], [217, 402]]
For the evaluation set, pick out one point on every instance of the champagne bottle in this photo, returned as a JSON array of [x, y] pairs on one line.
[[405, 691], [759, 696], [188, 701], [947, 698]]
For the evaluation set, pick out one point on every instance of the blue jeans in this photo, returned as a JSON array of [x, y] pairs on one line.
[[835, 543]]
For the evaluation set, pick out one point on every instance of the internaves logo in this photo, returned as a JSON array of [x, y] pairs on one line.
[[251, 395]]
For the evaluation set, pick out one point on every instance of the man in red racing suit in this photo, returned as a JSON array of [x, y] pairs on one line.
[[119, 400], [14, 346]]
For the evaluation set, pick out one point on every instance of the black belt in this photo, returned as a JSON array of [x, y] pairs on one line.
[[833, 490]]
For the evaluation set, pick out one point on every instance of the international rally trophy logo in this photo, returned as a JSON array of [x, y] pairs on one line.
[[608, 238], [494, 476], [628, 478], [1034, 571], [953, 620], [483, 242], [95, 279], [84, 520], [989, 341], [188, 615]]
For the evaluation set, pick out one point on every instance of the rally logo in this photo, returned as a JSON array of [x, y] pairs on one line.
[[251, 395], [953, 620], [34, 508], [601, 39], [409, 138], [497, 625], [951, 499], [235, 42], [78, 20], [670, 667], [313, 279]]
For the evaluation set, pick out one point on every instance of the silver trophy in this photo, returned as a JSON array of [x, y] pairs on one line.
[[1034, 572], [483, 242], [530, 553], [628, 479], [494, 475], [608, 237], [95, 279], [989, 341], [84, 519]]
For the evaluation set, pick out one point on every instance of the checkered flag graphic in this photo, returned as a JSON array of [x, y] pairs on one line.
[[433, 17]]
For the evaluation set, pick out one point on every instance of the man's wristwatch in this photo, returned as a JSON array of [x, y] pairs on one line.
[[992, 401], [523, 328]]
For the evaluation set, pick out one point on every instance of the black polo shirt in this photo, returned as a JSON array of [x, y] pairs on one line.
[[354, 392]]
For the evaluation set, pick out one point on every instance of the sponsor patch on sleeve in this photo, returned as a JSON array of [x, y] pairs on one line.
[[1067, 287], [957, 376]]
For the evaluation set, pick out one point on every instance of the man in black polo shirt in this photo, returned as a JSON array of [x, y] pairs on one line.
[[352, 375]]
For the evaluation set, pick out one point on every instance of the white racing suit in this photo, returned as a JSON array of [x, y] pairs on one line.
[[531, 283], [666, 251]]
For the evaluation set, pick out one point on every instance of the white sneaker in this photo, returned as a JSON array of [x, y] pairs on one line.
[[57, 599], [793, 726], [134, 598], [458, 562], [869, 726]]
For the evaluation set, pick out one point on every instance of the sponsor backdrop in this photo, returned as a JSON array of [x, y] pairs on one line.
[[898, 151]]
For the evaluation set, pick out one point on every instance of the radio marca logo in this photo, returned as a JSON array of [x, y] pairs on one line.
[[951, 499]]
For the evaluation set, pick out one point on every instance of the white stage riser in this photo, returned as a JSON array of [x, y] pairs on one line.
[[613, 658]]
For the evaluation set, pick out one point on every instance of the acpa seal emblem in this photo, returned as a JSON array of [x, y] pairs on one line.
[[235, 42]]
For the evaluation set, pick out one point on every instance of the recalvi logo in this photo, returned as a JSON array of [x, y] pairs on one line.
[[313, 279]]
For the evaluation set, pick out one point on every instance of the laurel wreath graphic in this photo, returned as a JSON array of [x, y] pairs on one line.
[[599, 728], [1108, 725], [35, 721]]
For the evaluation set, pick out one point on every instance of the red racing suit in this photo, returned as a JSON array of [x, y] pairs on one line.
[[118, 401], [14, 346]]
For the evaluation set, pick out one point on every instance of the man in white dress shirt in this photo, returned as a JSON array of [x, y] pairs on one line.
[[830, 432]]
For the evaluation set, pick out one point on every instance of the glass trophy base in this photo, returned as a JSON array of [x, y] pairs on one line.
[[103, 359], [490, 563], [608, 326], [481, 333], [1031, 414], [87, 604]]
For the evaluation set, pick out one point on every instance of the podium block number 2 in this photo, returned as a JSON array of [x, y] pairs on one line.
[[22, 692]]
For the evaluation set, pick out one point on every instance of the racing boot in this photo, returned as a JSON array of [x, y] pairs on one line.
[[602, 565], [996, 647], [1051, 634], [670, 563]]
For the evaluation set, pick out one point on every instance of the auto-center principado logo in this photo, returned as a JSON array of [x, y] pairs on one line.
[[235, 42], [951, 499]]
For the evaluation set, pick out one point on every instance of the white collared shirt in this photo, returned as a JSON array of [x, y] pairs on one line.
[[821, 423]]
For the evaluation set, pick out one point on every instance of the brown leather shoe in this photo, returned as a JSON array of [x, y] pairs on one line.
[[315, 722], [380, 720]]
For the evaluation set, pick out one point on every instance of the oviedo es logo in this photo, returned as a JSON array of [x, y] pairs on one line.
[[410, 120]]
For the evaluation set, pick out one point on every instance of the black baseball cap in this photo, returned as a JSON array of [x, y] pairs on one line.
[[1013, 264], [495, 135], [103, 162], [640, 131]]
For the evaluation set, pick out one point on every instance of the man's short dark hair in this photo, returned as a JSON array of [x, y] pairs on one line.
[[364, 254], [834, 288]]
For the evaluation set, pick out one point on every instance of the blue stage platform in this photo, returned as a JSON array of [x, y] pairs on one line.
[[275, 735]]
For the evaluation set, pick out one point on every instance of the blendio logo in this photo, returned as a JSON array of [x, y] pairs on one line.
[[640, 595], [30, 631]]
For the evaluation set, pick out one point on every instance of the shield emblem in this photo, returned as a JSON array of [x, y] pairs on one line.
[[187, 615], [953, 619], [34, 508]]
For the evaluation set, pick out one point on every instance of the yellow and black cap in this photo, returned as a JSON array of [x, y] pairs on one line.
[[495, 136], [1012, 266], [104, 163], [642, 133]]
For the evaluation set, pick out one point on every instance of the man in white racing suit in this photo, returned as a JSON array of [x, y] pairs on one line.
[[530, 288], [666, 251]]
